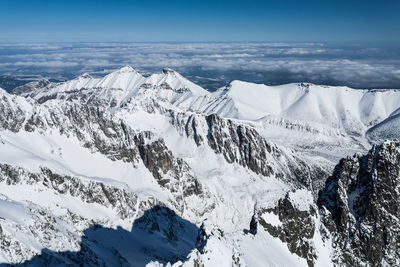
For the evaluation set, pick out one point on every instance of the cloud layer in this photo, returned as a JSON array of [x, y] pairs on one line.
[[212, 65]]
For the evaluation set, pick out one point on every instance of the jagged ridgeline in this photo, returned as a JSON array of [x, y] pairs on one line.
[[127, 170]]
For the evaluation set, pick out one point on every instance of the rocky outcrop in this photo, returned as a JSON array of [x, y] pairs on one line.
[[240, 144], [292, 223], [170, 172], [122, 200], [173, 174], [93, 126], [360, 205], [244, 145], [12, 113]]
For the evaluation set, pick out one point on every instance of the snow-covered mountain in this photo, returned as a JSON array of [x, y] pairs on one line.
[[302, 116], [132, 170], [115, 88]]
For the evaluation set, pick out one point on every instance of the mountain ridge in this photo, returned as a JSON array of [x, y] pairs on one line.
[[280, 113]]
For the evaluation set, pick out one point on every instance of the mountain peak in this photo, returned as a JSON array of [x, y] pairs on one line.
[[85, 76], [168, 71], [127, 68]]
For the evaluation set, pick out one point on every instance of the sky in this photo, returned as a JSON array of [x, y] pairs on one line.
[[200, 21]]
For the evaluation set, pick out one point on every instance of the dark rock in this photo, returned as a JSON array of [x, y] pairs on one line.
[[360, 205], [296, 230]]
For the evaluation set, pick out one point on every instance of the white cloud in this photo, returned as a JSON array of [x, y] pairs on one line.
[[260, 62]]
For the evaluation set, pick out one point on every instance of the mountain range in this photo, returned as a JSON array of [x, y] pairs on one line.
[[130, 170]]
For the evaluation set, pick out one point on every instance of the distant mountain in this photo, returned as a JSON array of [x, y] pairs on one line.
[[127, 170], [31, 86], [8, 83], [114, 89]]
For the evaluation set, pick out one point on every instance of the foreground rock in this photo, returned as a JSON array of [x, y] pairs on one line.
[[360, 206]]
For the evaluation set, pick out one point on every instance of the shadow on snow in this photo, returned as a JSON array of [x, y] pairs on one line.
[[159, 235]]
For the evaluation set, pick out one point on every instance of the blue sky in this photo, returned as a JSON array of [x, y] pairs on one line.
[[205, 21]]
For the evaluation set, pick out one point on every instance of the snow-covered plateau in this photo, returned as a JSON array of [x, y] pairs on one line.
[[127, 170]]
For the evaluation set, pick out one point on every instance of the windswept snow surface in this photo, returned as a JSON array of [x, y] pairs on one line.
[[335, 106], [387, 129]]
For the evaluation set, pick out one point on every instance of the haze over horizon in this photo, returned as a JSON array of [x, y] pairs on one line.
[[211, 65]]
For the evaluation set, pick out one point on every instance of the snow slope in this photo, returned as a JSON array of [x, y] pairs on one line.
[[387, 129], [337, 107]]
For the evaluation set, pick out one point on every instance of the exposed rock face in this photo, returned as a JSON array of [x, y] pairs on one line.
[[122, 200], [294, 225], [160, 162], [360, 204], [191, 129], [239, 144], [172, 173], [244, 145], [358, 209], [93, 126], [12, 115]]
